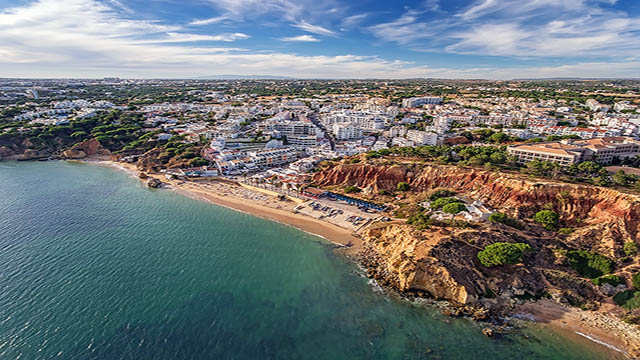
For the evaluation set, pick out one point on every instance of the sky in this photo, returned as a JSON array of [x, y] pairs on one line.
[[489, 39]]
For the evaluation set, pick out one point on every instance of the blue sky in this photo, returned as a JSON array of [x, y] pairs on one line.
[[493, 39]]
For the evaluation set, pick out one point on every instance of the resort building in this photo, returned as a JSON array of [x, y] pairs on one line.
[[273, 157], [568, 152]]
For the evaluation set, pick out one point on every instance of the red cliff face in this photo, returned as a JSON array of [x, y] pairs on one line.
[[605, 218], [86, 148]]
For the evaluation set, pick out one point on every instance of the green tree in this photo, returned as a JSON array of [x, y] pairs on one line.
[[499, 138], [503, 253], [79, 134], [635, 280], [589, 167], [620, 178], [403, 186], [441, 202], [630, 248], [498, 217], [454, 208], [589, 264], [352, 189], [547, 218]]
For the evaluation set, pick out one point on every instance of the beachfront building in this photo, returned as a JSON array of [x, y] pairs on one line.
[[273, 157], [568, 152]]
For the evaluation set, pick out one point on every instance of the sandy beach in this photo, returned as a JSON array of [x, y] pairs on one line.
[[595, 326]]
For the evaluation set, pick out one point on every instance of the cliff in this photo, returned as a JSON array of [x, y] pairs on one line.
[[605, 218], [90, 147], [22, 149], [442, 261]]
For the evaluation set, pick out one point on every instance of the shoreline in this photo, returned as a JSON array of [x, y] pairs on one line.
[[280, 211], [600, 328], [571, 323]]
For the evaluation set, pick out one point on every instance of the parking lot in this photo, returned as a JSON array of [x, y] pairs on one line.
[[337, 212]]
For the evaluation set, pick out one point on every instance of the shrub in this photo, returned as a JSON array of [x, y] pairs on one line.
[[423, 222], [503, 253], [443, 193], [546, 218], [403, 186], [504, 219], [498, 218], [629, 299], [613, 280], [197, 162], [635, 280], [352, 189], [566, 231], [454, 208], [590, 264], [630, 248], [79, 134]]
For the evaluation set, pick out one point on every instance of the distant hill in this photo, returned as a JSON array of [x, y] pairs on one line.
[[572, 79], [244, 77]]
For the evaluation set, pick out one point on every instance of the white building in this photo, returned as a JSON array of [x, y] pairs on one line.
[[303, 141], [273, 157], [422, 137], [419, 101], [346, 131]]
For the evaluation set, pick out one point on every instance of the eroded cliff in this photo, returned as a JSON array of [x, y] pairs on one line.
[[604, 218], [442, 261]]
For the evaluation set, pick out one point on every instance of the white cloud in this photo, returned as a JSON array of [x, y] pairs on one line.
[[534, 28], [404, 30], [300, 38], [290, 10], [315, 29], [353, 20], [173, 37], [88, 38], [209, 21]]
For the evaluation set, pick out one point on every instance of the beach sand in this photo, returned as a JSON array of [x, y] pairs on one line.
[[597, 326]]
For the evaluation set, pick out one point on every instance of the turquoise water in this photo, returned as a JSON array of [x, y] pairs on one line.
[[95, 266]]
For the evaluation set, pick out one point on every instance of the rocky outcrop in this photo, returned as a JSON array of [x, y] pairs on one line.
[[157, 159], [90, 147], [443, 264], [154, 183], [6, 152]]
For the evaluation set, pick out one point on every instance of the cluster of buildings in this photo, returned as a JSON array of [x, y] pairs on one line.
[[61, 112], [569, 152]]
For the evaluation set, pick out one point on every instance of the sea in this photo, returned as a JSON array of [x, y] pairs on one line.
[[94, 265]]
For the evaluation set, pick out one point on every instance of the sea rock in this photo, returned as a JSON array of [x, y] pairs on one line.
[[154, 183], [84, 149], [6, 152], [488, 332]]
